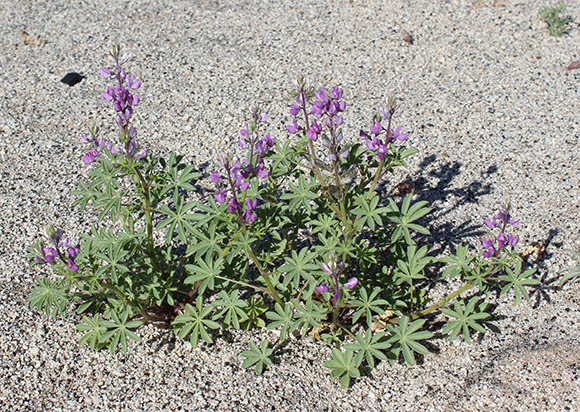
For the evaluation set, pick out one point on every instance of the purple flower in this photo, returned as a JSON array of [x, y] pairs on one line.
[[50, 254], [352, 282], [399, 135], [294, 127], [134, 84], [216, 177], [490, 223], [73, 252], [376, 128], [294, 109], [72, 265], [105, 72], [314, 131], [234, 206], [221, 196], [322, 288]]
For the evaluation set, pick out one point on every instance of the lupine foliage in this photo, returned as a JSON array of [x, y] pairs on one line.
[[296, 237]]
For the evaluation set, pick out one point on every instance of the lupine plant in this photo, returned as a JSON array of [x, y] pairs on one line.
[[557, 25], [297, 238]]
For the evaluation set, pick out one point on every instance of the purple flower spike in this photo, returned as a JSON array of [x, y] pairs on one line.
[[323, 288], [326, 268], [352, 282]]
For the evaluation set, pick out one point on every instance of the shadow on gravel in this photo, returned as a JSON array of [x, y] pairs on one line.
[[435, 187]]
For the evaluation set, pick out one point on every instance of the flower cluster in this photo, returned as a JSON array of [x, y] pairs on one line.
[[98, 146], [240, 172], [67, 255], [502, 219], [335, 269], [375, 142], [123, 102], [326, 107]]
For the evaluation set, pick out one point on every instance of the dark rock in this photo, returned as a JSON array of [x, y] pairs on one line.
[[72, 78]]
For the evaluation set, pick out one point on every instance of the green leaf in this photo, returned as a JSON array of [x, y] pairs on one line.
[[404, 218], [232, 308], [369, 347], [49, 296], [301, 194], [308, 316], [178, 176], [368, 304], [405, 338], [368, 213], [113, 262], [208, 241], [254, 310], [204, 271], [459, 264], [178, 221], [299, 266], [571, 273], [343, 366], [283, 317], [94, 330], [119, 329], [516, 280], [467, 317], [258, 356], [193, 322], [412, 269]]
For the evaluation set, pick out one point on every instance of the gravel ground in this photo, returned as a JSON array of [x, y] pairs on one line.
[[486, 99]]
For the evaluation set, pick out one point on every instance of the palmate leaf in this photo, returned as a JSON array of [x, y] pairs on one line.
[[324, 224], [412, 268], [94, 330], [403, 218], [516, 280], [204, 271], [110, 203], [254, 311], [49, 296], [459, 264], [178, 221], [208, 241], [368, 213], [283, 317], [308, 316], [232, 308], [258, 356], [301, 194], [368, 304], [343, 366], [405, 337], [369, 347], [177, 175], [466, 317], [113, 262], [119, 329], [194, 322], [299, 266]]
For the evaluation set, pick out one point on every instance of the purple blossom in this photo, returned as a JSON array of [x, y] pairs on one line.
[[294, 127], [399, 135], [314, 131], [221, 196], [50, 254], [322, 288], [216, 177], [294, 109], [376, 128], [351, 283], [501, 220]]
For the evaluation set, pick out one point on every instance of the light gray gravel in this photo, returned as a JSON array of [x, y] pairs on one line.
[[486, 99]]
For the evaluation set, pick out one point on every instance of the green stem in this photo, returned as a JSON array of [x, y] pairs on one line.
[[243, 284], [266, 277]]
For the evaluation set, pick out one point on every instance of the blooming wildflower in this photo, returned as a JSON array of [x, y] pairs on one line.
[[351, 283], [322, 288], [221, 196]]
